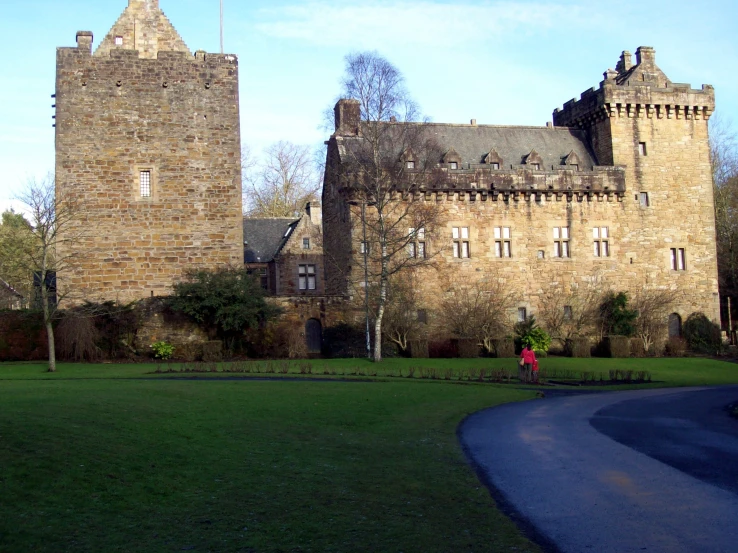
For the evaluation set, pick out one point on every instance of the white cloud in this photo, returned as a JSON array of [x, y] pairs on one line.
[[420, 23]]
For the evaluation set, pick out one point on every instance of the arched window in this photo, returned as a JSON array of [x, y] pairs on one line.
[[675, 326]]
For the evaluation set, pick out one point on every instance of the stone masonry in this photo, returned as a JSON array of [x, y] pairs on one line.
[[148, 148], [631, 157]]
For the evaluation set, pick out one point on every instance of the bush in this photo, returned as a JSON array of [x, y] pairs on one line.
[[579, 347], [701, 334], [616, 346], [343, 341], [418, 349], [76, 338], [637, 349], [529, 333], [467, 348], [504, 347], [675, 347], [212, 351], [442, 349], [162, 350], [618, 319]]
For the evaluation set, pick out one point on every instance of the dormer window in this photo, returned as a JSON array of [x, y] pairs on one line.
[[452, 159], [536, 166], [453, 165], [494, 165], [409, 165], [533, 160], [119, 41]]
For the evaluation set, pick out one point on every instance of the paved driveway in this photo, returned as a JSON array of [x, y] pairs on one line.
[[652, 470]]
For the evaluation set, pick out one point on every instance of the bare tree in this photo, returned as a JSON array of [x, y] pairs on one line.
[[480, 310], [724, 160], [401, 321], [282, 183], [50, 216], [572, 312], [653, 307], [386, 167]]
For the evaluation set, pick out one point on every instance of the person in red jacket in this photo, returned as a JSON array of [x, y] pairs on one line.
[[528, 358]]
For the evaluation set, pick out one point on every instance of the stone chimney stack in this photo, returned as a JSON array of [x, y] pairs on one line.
[[84, 40], [646, 56], [145, 4], [315, 212], [625, 63], [348, 117]]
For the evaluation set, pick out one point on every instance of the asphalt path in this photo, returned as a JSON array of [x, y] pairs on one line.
[[648, 470]]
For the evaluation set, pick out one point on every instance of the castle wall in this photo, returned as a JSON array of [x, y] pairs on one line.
[[175, 116]]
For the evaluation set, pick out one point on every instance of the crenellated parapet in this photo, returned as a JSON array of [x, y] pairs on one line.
[[641, 91]]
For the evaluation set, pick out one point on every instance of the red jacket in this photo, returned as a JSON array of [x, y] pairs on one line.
[[528, 356]]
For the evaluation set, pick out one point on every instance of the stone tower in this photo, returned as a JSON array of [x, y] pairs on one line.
[[148, 149], [658, 131]]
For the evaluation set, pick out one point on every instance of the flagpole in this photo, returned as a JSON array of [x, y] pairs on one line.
[[221, 27]]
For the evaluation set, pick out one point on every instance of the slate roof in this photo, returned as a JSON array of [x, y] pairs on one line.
[[7, 289], [264, 238], [512, 144]]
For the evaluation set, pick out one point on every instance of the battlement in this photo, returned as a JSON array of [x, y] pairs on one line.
[[637, 91]]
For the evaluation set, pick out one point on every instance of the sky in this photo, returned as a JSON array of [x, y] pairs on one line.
[[499, 62]]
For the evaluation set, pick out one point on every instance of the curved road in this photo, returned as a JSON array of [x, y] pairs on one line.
[[653, 470]]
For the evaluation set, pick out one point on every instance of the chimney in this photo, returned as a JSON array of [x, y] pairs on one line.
[[348, 117], [84, 40], [315, 212], [646, 56], [473, 122], [625, 63], [146, 4]]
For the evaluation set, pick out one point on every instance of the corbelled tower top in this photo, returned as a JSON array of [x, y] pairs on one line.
[[143, 27]]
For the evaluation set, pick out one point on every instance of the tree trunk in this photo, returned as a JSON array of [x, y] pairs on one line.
[[380, 307], [47, 323]]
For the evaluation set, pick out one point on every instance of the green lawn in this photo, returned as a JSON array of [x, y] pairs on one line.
[[111, 458]]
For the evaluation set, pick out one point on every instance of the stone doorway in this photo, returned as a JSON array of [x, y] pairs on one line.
[[314, 335], [675, 326]]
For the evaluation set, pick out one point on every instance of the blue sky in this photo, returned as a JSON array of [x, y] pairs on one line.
[[500, 62]]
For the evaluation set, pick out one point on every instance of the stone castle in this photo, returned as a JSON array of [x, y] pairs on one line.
[[617, 190]]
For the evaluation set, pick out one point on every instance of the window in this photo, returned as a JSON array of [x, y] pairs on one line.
[[263, 278], [643, 199], [561, 242], [568, 314], [522, 314], [119, 41], [364, 248], [461, 242], [502, 242], [453, 165], [574, 167], [307, 277], [678, 259], [410, 165], [495, 165], [601, 242], [541, 254], [642, 149], [536, 166], [416, 245], [422, 316], [306, 243], [145, 184]]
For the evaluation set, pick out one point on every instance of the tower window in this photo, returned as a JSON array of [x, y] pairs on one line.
[[643, 199], [522, 314], [678, 259], [642, 149], [601, 237], [503, 244], [144, 180], [416, 243], [119, 41], [461, 242], [561, 242]]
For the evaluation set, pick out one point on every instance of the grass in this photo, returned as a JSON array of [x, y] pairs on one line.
[[114, 458], [234, 466]]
